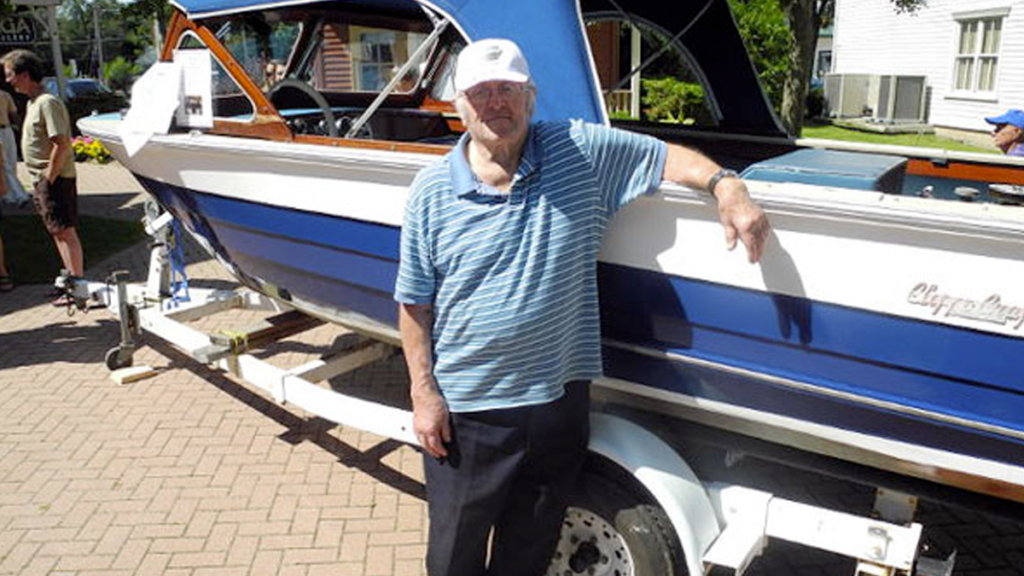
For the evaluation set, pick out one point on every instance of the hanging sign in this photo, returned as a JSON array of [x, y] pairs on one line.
[[17, 29]]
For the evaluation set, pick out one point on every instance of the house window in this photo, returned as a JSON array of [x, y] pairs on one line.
[[977, 56], [377, 61], [824, 65]]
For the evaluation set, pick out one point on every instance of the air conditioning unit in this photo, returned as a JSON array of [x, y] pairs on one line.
[[898, 99], [883, 98], [846, 95]]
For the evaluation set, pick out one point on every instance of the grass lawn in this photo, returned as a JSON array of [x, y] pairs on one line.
[[831, 132], [32, 257]]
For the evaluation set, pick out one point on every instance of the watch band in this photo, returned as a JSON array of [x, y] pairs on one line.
[[718, 176]]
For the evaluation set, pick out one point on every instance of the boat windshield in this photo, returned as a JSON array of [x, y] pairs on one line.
[[332, 53], [261, 45]]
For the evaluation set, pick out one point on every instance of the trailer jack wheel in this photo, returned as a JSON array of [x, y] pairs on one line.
[[117, 357], [613, 528]]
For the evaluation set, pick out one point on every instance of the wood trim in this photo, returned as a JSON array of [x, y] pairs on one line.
[[261, 127], [445, 108], [966, 171], [412, 147], [175, 28], [267, 123]]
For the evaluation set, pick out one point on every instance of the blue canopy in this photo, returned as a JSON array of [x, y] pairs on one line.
[[549, 32]]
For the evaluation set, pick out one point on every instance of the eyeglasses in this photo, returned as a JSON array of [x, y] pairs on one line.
[[507, 90]]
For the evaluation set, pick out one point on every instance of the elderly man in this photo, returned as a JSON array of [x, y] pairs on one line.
[[498, 311], [1008, 134], [46, 147]]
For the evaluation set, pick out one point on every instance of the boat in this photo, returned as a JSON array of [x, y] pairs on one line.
[[881, 328]]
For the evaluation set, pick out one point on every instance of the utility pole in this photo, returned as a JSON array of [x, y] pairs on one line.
[[99, 38], [158, 40]]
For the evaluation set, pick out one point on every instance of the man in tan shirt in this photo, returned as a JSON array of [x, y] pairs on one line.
[[46, 148]]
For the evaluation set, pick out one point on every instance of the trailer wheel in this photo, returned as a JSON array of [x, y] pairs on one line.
[[116, 359], [614, 528]]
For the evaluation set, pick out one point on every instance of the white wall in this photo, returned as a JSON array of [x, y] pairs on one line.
[[870, 38]]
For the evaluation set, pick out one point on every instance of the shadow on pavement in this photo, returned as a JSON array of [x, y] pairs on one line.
[[63, 341], [315, 430]]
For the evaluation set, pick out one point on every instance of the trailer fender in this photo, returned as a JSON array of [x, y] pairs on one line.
[[666, 476]]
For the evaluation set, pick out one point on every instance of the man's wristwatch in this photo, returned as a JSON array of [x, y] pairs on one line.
[[718, 176]]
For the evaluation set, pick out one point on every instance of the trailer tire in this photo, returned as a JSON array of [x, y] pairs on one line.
[[614, 528], [116, 359]]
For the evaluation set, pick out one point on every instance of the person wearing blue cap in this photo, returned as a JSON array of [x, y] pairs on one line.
[[1008, 134]]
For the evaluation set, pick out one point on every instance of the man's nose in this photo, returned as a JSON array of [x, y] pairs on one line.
[[496, 100]]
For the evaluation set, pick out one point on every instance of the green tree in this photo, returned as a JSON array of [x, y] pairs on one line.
[[765, 32], [76, 21], [143, 22], [127, 30]]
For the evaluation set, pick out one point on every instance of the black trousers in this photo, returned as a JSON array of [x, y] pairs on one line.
[[510, 471]]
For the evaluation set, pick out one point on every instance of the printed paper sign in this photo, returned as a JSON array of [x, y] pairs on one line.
[[155, 97], [196, 109]]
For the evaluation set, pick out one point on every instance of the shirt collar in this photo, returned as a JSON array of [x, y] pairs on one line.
[[464, 182]]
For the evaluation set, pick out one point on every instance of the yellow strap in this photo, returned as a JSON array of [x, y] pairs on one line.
[[237, 341]]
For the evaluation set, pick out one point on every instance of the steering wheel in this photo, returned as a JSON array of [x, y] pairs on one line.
[[332, 129]]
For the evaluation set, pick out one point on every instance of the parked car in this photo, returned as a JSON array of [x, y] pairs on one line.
[[84, 96]]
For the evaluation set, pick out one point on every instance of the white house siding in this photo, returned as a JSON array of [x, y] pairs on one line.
[[870, 38]]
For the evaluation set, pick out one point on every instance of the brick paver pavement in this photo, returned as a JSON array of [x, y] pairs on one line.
[[188, 472]]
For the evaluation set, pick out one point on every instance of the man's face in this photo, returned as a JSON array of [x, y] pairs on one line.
[[1004, 136], [17, 81], [498, 111]]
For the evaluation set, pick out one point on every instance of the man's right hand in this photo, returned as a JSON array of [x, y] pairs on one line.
[[430, 420]]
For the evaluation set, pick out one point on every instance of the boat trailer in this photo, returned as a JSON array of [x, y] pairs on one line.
[[718, 526]]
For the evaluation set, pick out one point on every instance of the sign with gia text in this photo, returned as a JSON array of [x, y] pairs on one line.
[[17, 29]]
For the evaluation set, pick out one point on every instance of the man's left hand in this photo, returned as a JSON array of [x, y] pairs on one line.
[[741, 218]]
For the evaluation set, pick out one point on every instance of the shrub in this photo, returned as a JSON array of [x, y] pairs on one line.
[[815, 107], [671, 100], [86, 149], [119, 73]]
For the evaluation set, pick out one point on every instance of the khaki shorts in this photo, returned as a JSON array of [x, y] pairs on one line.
[[58, 205]]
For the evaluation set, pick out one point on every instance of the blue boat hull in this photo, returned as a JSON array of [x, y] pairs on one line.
[[861, 371]]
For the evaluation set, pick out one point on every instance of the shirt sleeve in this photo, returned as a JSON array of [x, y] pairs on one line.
[[55, 118], [628, 165], [416, 282]]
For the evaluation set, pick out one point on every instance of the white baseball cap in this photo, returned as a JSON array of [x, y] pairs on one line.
[[489, 60]]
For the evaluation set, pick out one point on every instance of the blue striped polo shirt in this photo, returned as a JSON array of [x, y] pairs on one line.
[[513, 277]]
